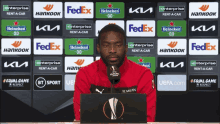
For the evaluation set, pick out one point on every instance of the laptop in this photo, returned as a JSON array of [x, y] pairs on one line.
[[113, 108]]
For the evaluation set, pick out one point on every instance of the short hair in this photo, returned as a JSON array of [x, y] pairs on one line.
[[112, 27]]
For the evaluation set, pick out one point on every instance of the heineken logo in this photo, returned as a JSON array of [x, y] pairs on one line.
[[15, 27], [171, 28], [79, 47], [141, 62], [148, 62], [110, 10]]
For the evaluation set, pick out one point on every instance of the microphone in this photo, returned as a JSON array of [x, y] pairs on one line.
[[114, 77], [113, 74]]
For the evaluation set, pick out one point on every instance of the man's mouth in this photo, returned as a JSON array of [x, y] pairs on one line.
[[113, 59]]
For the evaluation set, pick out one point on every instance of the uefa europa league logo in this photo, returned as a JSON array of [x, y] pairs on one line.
[[114, 72], [113, 103]]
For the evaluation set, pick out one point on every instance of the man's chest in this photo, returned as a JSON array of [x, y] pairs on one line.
[[101, 84], [102, 89]]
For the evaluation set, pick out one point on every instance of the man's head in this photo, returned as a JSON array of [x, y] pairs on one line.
[[112, 45]]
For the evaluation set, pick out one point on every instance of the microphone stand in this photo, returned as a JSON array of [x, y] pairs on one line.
[[113, 86], [114, 106]]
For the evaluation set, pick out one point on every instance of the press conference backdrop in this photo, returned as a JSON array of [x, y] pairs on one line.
[[43, 45]]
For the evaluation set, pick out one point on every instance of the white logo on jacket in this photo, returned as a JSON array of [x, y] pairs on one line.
[[99, 90]]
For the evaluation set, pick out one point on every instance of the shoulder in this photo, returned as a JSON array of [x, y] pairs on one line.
[[143, 76], [89, 69], [139, 70], [136, 67]]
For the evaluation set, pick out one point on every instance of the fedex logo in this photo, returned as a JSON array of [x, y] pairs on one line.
[[51, 46], [203, 46], [142, 28], [48, 46], [80, 10], [206, 46]]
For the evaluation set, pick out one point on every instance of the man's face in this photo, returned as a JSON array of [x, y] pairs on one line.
[[112, 48]]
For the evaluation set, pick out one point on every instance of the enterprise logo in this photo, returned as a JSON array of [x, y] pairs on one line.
[[15, 8], [171, 9], [41, 63], [202, 63]]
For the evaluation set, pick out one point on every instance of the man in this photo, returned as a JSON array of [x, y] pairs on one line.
[[134, 78]]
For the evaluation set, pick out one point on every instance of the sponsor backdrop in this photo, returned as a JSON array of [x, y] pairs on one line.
[[44, 44]]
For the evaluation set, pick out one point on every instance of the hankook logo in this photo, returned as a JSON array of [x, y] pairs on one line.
[[14, 46], [113, 104], [48, 9], [204, 7], [171, 47], [80, 61], [73, 64], [203, 10]]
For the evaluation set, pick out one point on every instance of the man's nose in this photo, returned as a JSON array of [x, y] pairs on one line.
[[112, 49]]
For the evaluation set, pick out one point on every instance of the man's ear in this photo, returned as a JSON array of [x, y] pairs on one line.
[[126, 49], [98, 48]]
